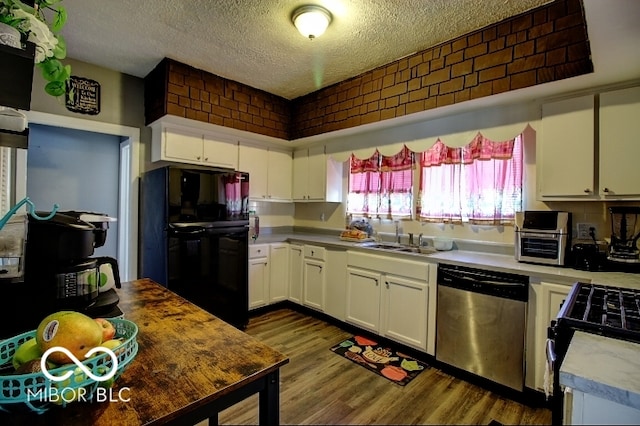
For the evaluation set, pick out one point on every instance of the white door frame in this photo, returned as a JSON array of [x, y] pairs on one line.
[[128, 193]]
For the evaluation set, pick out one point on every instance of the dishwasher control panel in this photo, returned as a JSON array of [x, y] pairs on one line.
[[493, 283]]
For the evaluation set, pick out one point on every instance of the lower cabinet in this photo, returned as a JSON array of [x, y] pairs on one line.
[[587, 409], [296, 272], [389, 297], [314, 277], [279, 272], [268, 274], [545, 300], [258, 275]]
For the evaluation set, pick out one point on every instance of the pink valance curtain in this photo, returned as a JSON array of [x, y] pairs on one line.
[[381, 186], [480, 182]]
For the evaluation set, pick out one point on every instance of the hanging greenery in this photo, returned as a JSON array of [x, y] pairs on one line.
[[41, 25]]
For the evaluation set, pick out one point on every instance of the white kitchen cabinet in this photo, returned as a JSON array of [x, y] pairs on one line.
[[336, 275], [314, 281], [269, 171], [316, 177], [583, 408], [185, 145], [586, 149], [565, 149], [619, 147], [390, 297], [296, 272], [259, 275], [545, 300], [279, 272]]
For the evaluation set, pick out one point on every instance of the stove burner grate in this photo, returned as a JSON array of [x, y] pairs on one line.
[[611, 307]]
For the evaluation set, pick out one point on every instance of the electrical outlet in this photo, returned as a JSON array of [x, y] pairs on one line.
[[583, 230]]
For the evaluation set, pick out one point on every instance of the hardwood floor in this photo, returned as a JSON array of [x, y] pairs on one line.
[[319, 387]]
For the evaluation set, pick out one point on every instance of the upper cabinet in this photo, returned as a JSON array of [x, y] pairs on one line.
[[316, 177], [619, 147], [189, 145], [269, 172], [566, 154], [587, 149]]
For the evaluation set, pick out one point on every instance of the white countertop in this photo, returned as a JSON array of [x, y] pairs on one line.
[[604, 367], [474, 259]]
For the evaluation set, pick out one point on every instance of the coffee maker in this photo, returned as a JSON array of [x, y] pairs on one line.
[[60, 272]]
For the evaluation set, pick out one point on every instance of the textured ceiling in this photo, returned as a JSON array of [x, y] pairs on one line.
[[255, 43]]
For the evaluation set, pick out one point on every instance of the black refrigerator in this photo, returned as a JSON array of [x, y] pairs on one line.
[[194, 236]]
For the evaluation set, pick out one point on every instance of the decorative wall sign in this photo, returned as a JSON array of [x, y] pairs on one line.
[[83, 95]]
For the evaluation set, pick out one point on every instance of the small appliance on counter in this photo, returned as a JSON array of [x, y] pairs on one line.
[[625, 231], [543, 237], [59, 272]]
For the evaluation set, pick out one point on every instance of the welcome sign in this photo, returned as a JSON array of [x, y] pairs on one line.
[[83, 95]]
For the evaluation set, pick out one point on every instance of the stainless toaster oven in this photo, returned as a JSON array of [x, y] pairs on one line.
[[543, 237]]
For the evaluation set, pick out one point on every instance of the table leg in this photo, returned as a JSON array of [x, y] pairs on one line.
[[269, 411]]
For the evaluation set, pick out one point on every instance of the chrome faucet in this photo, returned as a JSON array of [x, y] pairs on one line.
[[420, 240], [410, 238], [397, 231]]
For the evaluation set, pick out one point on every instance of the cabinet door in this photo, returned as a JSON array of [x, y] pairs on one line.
[[547, 307], [220, 153], [296, 276], [619, 147], [279, 272], [313, 284], [253, 160], [258, 282], [182, 145], [280, 174], [363, 298], [301, 174], [316, 173], [565, 158], [404, 311]]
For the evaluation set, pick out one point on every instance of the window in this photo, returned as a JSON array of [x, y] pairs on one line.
[[480, 183], [382, 186]]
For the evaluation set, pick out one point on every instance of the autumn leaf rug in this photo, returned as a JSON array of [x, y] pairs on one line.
[[396, 366]]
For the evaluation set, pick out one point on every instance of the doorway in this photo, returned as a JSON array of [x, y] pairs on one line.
[[129, 160], [78, 170]]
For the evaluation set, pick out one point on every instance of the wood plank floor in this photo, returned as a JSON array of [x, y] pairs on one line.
[[319, 387]]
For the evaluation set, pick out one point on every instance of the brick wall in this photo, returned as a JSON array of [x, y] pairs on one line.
[[178, 89], [546, 44]]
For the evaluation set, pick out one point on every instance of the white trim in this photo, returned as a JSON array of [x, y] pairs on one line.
[[129, 154]]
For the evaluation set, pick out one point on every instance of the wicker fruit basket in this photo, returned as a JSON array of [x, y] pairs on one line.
[[36, 392]]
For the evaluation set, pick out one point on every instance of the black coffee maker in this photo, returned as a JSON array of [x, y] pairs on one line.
[[59, 272]]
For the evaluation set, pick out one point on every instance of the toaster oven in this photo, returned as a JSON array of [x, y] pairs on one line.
[[542, 237]]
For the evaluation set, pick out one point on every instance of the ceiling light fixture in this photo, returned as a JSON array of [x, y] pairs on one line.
[[311, 20]]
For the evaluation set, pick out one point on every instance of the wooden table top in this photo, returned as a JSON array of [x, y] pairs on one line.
[[187, 358]]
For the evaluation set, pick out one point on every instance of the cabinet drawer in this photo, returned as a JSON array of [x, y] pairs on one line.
[[315, 252], [390, 265], [261, 250]]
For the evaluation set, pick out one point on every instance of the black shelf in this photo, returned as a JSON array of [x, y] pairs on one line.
[[17, 76]]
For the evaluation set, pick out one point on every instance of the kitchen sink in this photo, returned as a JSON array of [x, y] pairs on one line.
[[397, 247]]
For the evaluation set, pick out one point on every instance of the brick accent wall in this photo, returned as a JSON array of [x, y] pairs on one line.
[[546, 44], [178, 89]]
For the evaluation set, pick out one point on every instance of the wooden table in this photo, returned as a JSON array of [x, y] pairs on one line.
[[190, 366]]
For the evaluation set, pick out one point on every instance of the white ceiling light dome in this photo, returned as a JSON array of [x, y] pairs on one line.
[[311, 20]]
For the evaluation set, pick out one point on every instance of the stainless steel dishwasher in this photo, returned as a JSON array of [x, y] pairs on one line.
[[481, 322]]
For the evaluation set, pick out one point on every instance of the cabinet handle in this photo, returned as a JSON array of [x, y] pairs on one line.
[[387, 283], [605, 189], [587, 191], [376, 283], [206, 158], [198, 158], [312, 252]]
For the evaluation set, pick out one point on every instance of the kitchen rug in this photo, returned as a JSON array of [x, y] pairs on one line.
[[396, 366]]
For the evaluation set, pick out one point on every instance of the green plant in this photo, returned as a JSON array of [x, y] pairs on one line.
[[41, 25]]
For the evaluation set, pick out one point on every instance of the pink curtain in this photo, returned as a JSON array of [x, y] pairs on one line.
[[480, 182], [381, 186]]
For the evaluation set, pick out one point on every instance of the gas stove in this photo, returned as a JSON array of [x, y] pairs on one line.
[[608, 311]]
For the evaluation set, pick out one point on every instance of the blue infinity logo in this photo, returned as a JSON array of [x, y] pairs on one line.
[[76, 361]]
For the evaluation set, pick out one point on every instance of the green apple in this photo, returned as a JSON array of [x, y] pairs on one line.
[[26, 352]]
